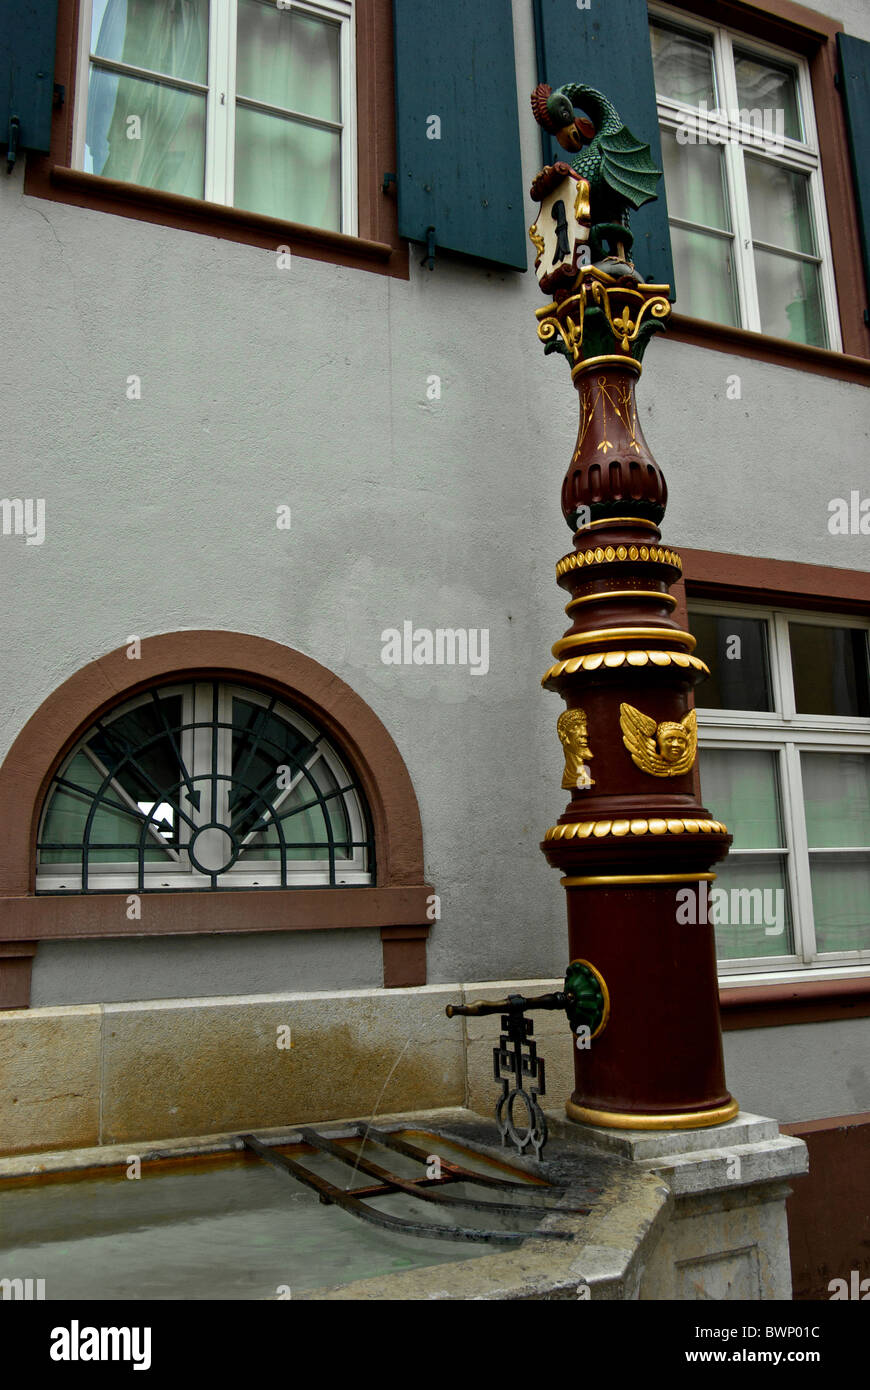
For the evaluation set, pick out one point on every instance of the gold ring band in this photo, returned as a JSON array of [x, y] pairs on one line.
[[618, 634], [609, 360], [658, 594], [608, 554], [619, 1119], [618, 521], [589, 880]]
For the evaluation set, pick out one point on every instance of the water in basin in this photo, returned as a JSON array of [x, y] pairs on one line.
[[227, 1227]]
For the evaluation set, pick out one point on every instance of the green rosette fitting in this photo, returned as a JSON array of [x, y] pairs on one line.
[[588, 997]]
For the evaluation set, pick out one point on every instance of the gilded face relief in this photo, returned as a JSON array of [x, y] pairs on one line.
[[571, 728]]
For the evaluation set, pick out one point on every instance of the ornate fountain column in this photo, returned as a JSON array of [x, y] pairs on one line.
[[633, 845]]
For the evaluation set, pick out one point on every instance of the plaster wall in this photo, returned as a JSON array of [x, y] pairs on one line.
[[802, 1071], [307, 387], [852, 14]]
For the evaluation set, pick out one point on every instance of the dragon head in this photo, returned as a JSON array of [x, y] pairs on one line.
[[554, 111]]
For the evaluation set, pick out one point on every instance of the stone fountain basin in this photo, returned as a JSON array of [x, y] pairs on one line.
[[206, 1221]]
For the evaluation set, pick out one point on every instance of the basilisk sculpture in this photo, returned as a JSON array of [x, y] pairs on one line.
[[613, 162]]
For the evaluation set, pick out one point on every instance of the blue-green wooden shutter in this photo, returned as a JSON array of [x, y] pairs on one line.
[[28, 28], [855, 87], [608, 47], [455, 60]]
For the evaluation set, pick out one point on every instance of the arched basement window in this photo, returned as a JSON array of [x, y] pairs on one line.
[[203, 785]]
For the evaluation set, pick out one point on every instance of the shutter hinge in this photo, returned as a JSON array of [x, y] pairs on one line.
[[388, 179], [429, 258], [12, 147], [59, 95]]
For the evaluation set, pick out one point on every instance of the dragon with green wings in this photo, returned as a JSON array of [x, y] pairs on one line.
[[615, 163]]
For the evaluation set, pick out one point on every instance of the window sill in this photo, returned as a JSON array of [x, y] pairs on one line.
[[66, 917], [73, 186], [805, 1001], [740, 342]]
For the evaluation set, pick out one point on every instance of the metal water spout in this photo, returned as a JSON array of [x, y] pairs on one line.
[[515, 1058]]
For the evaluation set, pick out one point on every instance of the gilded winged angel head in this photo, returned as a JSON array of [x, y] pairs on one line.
[[663, 750]]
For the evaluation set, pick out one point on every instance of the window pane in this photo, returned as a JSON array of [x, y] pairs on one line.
[[138, 749], [735, 649], [695, 182], [301, 828], [167, 36], [829, 666], [683, 66], [790, 299], [288, 59], [287, 170], [339, 822], [761, 86], [168, 148], [751, 913], [841, 901], [703, 268], [837, 799], [741, 787], [66, 822], [262, 744], [779, 205]]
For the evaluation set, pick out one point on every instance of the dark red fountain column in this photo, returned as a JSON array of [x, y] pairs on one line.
[[634, 847]]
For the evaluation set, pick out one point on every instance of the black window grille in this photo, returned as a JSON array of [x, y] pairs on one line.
[[203, 785]]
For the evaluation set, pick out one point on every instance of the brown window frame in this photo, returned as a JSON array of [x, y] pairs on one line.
[[814, 37], [397, 902], [377, 248], [712, 574]]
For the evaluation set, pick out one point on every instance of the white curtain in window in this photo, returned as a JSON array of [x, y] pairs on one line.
[[837, 798], [164, 146], [285, 167]]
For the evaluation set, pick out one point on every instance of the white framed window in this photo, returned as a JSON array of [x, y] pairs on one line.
[[203, 785], [749, 230], [784, 732], [249, 103]]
